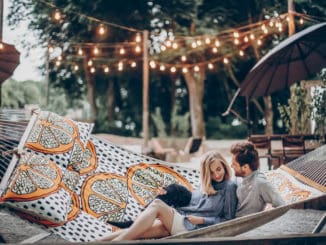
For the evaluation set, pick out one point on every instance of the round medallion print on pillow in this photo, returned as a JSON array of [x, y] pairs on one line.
[[52, 134], [104, 196], [145, 179], [34, 177]]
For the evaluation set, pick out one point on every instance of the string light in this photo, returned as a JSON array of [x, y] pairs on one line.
[[57, 15], [80, 51], [76, 67], [96, 51], [1, 46], [92, 69], [137, 49], [50, 50], [101, 29], [58, 63], [184, 70], [138, 38], [152, 64], [122, 51], [90, 63], [197, 41], [120, 66], [106, 69]]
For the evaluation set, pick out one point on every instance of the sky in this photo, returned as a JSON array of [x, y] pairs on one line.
[[27, 69]]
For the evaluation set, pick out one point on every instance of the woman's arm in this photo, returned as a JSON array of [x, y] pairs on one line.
[[231, 201]]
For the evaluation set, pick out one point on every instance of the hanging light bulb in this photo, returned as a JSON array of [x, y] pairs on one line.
[[199, 42], [60, 57], [76, 67], [241, 53], [207, 40], [1, 46], [196, 68], [252, 36], [246, 39], [137, 49], [236, 34], [50, 49], [163, 48], [173, 69], [162, 68], [184, 70], [217, 43], [133, 64], [174, 45], [57, 15], [120, 66], [90, 63], [122, 51], [236, 41], [168, 43], [194, 45], [92, 70], [214, 50], [152, 64], [101, 29], [138, 38], [80, 51], [210, 66], [58, 63], [106, 69], [301, 21], [183, 58], [96, 51], [259, 42], [226, 61]]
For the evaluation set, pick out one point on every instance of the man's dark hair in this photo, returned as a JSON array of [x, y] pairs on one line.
[[245, 153]]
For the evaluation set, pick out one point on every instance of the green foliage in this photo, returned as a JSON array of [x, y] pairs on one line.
[[216, 129], [16, 94], [159, 123], [296, 107], [319, 107]]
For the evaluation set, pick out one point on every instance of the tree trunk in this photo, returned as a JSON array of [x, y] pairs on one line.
[[268, 115], [196, 83], [90, 81], [110, 101]]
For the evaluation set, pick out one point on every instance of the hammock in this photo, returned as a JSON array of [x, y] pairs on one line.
[[95, 180]]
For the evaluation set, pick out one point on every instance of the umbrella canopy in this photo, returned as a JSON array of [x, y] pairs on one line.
[[9, 60], [296, 58]]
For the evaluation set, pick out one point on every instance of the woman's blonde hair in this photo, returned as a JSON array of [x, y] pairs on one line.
[[205, 171]]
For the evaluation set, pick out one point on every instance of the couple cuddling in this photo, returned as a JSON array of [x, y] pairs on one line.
[[217, 200]]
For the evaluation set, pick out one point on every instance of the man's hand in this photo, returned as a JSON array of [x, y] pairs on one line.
[[195, 220]]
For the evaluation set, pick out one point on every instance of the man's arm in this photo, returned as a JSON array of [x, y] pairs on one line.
[[270, 194]]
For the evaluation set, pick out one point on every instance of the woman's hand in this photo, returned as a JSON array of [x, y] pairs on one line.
[[160, 191], [195, 220]]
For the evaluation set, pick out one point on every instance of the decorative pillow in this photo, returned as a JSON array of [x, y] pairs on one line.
[[62, 139], [41, 188], [104, 196], [145, 179]]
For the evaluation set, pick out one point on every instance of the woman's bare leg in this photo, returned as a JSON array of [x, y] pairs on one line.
[[110, 236], [157, 230], [156, 210]]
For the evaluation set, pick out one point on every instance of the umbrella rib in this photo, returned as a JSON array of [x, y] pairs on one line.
[[302, 58]]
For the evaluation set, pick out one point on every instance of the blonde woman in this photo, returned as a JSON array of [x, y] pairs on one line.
[[215, 202]]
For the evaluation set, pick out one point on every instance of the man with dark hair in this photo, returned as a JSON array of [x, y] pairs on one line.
[[255, 191]]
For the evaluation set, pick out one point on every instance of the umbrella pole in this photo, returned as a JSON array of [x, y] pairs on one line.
[[249, 131]]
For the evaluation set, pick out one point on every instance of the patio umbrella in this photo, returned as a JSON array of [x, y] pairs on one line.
[[296, 58], [9, 60]]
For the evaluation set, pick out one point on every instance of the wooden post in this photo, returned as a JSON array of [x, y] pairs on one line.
[[145, 89], [47, 75]]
